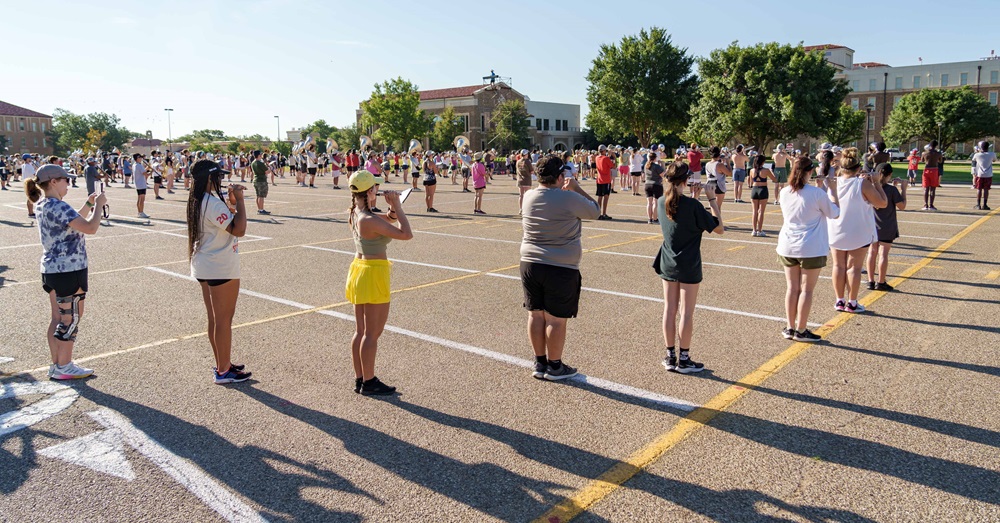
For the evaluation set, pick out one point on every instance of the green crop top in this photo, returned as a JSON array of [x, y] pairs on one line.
[[370, 247]]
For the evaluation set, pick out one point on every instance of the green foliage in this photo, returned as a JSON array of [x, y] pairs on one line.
[[511, 131], [93, 142], [200, 144], [204, 135], [446, 128], [763, 93], [233, 147], [847, 127], [643, 86], [963, 115], [393, 111], [285, 148], [347, 137], [69, 131]]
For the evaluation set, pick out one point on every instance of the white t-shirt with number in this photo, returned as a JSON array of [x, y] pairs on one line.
[[216, 253]]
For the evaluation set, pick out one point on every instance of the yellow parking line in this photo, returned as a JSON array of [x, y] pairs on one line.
[[610, 481], [595, 236], [992, 275], [738, 247]]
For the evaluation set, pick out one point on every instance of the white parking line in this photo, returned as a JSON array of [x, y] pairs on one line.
[[589, 289], [645, 395], [741, 267]]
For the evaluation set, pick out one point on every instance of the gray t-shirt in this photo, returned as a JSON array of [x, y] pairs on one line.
[[654, 174], [551, 222], [91, 174]]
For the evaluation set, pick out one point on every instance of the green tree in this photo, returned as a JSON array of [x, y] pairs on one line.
[[233, 147], [643, 86], [848, 126], [285, 148], [511, 120], [963, 115], [69, 131], [204, 135], [446, 127], [393, 111], [93, 141], [765, 92], [347, 137]]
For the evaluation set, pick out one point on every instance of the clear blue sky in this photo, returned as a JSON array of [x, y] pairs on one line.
[[233, 65]]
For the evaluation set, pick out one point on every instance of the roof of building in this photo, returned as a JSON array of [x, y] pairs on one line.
[[144, 142], [823, 47], [868, 65], [451, 92], [7, 109]]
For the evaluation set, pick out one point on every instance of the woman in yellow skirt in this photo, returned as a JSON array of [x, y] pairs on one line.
[[368, 279]]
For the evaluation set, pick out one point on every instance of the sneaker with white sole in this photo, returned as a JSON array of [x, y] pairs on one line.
[[539, 372], [806, 336], [670, 364], [70, 371], [853, 306], [841, 306], [563, 372], [688, 366], [231, 376], [143, 215], [788, 333]]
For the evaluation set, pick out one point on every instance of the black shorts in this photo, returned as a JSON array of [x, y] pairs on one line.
[[3, 175], [654, 190], [65, 283], [603, 189], [465, 172], [430, 182], [158, 180], [312, 170], [140, 192], [637, 173], [214, 283], [759, 193], [555, 290]]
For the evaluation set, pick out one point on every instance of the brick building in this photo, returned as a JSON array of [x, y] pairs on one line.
[[25, 130]]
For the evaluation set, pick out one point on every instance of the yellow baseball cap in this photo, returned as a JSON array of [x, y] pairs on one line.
[[361, 181]]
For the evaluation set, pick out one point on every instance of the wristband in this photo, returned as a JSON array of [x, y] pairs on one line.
[[89, 204]]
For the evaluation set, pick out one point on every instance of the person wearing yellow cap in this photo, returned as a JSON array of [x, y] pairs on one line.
[[368, 279]]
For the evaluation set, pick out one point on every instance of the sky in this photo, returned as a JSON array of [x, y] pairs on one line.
[[235, 65]]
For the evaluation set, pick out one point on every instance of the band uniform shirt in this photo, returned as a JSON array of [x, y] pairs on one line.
[[216, 253]]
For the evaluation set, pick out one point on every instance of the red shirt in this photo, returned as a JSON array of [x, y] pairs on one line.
[[914, 160], [694, 160], [353, 160], [604, 166]]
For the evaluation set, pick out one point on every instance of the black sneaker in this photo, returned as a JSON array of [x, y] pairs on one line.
[[376, 209], [871, 285], [670, 364], [564, 371], [688, 366], [806, 336], [539, 372], [883, 287], [788, 333], [985, 208], [374, 387], [357, 385], [601, 217], [606, 217]]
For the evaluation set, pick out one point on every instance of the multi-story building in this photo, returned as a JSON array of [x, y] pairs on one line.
[[877, 87], [25, 130], [551, 125]]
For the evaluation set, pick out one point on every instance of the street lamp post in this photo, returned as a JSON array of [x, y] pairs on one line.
[[170, 138], [939, 124], [868, 121], [277, 139]]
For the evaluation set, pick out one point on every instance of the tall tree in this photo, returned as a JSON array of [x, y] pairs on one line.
[[347, 137], [393, 111], [204, 135], [70, 131], [446, 127], [765, 92], [847, 127], [511, 131], [963, 115], [643, 86]]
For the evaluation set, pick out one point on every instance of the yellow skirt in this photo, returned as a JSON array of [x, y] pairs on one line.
[[368, 282]]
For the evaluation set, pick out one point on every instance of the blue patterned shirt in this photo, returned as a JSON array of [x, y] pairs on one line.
[[63, 247]]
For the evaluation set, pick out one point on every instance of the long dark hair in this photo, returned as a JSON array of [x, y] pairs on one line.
[[676, 174], [758, 164], [824, 162], [801, 169], [203, 174]]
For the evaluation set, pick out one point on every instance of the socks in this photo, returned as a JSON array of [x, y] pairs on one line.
[[555, 364], [684, 354], [541, 359], [671, 353]]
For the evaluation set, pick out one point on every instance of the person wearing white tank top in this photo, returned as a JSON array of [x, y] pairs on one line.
[[852, 233]]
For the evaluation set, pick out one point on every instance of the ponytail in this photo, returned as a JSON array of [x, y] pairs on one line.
[[676, 174], [33, 189]]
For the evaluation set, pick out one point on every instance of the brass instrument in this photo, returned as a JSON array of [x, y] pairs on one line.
[[366, 143], [414, 147], [461, 143]]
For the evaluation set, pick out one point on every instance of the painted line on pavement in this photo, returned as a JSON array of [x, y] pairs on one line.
[[608, 482], [644, 395], [650, 258]]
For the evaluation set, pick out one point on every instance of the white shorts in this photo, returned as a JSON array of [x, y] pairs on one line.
[[694, 178]]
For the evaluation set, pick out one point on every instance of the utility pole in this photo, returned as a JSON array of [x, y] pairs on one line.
[[170, 138]]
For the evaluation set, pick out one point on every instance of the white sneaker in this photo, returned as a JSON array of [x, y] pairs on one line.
[[70, 371], [52, 369], [144, 215]]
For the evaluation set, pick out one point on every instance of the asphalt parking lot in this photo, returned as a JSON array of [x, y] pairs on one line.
[[893, 418]]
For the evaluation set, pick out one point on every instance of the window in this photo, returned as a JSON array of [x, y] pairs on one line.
[[871, 85], [871, 102], [993, 97], [21, 124], [960, 148], [895, 100], [916, 82], [856, 85], [559, 125], [482, 121], [855, 104], [24, 142], [9, 127], [465, 122], [34, 127], [994, 79], [899, 83], [963, 79], [43, 127], [36, 142], [538, 123], [565, 125], [871, 123], [44, 143], [545, 124], [944, 79]]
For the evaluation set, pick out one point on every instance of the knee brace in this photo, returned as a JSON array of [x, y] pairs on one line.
[[64, 331]]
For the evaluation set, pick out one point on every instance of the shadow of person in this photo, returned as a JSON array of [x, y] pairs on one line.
[[17, 467], [252, 476], [485, 487], [972, 367]]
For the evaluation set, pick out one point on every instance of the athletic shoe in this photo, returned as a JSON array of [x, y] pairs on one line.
[[466, 190], [855, 307], [539, 372], [806, 336], [170, 192], [52, 370], [263, 211], [159, 197], [934, 208], [70, 371], [841, 306], [925, 208], [883, 286], [601, 217], [32, 216], [870, 285], [986, 208], [336, 187], [143, 215], [431, 209], [977, 207], [376, 209], [3, 189], [234, 366], [761, 234], [606, 217], [657, 221], [374, 387], [670, 364], [357, 385], [564, 371], [753, 233], [688, 366], [788, 333], [231, 376]]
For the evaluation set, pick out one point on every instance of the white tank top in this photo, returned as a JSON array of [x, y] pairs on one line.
[[856, 226]]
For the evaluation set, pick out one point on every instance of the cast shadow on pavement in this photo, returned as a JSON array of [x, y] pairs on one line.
[[23, 225], [949, 298], [244, 469], [941, 324], [484, 487], [976, 284], [972, 367]]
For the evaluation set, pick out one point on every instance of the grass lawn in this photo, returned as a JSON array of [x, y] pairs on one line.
[[954, 171]]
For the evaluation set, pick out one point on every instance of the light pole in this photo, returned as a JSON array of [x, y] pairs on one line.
[[170, 138], [868, 121], [939, 133], [277, 139]]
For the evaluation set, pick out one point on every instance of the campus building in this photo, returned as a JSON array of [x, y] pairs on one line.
[[25, 130], [551, 125], [877, 87]]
